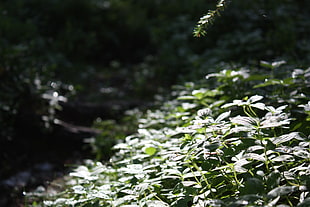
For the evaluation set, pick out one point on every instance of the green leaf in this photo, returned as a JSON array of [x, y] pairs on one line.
[[201, 93], [304, 203], [156, 203], [265, 64], [244, 121], [277, 64], [84, 173], [252, 186], [284, 158], [254, 156], [302, 154], [238, 166], [269, 82], [282, 190], [273, 179], [286, 138], [255, 148], [255, 98], [272, 65], [78, 189], [214, 202], [150, 150], [187, 98], [222, 116], [260, 106], [192, 174], [190, 184]]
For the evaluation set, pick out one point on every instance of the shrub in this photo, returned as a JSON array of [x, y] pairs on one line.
[[204, 148]]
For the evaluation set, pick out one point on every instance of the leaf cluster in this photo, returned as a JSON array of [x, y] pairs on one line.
[[204, 148], [208, 19]]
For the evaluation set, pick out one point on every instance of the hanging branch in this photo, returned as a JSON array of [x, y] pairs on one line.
[[208, 19]]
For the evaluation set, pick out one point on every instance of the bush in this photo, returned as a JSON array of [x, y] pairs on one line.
[[204, 148]]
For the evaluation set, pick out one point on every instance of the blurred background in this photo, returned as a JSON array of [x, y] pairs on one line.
[[65, 64]]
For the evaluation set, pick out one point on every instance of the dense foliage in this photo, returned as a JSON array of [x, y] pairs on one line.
[[85, 50], [58, 46], [211, 145]]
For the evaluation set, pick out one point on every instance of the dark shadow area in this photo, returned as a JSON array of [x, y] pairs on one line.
[[34, 159]]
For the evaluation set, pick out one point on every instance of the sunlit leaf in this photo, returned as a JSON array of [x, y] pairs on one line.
[[133, 169], [238, 129], [272, 65], [304, 203], [214, 202], [260, 106], [276, 120], [305, 106], [156, 203], [199, 93], [238, 166], [190, 184], [222, 116], [204, 112], [284, 158], [234, 103], [282, 190], [83, 172], [150, 150], [276, 110], [274, 201], [78, 189], [125, 199], [254, 156], [186, 98], [278, 63], [265, 64], [244, 121], [286, 137], [192, 174], [255, 98], [255, 148], [302, 154]]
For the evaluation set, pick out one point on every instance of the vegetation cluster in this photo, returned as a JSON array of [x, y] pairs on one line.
[[240, 137], [60, 48], [216, 143]]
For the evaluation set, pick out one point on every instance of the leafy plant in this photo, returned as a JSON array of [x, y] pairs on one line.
[[112, 132], [204, 148]]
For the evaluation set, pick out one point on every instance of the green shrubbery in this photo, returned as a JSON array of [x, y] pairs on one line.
[[213, 141], [207, 147]]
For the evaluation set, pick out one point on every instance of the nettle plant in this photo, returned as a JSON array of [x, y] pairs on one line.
[[204, 148]]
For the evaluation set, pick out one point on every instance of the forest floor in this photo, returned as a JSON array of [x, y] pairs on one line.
[[33, 160]]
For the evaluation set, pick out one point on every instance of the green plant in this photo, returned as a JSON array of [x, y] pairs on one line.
[[203, 148], [61, 39], [112, 132], [208, 19]]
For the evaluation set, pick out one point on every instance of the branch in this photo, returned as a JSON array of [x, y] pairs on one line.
[[208, 19]]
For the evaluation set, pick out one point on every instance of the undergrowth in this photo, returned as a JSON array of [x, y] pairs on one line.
[[238, 138]]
